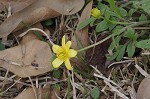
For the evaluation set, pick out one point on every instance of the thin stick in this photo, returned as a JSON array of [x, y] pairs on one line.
[[37, 29], [10, 87], [73, 85], [34, 90]]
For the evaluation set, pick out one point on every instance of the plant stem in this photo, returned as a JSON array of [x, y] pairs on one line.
[[99, 42], [108, 37]]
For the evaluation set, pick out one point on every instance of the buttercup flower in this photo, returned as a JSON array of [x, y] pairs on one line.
[[63, 54], [95, 12]]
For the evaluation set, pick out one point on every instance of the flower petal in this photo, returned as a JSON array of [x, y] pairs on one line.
[[72, 53], [68, 65], [57, 62], [63, 41], [68, 44], [56, 48]]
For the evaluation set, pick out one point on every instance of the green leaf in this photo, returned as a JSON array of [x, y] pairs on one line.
[[56, 86], [92, 23], [130, 33], [143, 4], [85, 23], [95, 93], [117, 29], [112, 57], [121, 51], [142, 17], [114, 7], [102, 7], [122, 11], [143, 44], [47, 22], [131, 49], [108, 13], [103, 25], [131, 11], [112, 25], [2, 46], [114, 43]]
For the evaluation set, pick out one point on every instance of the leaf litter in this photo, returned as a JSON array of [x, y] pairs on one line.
[[25, 66]]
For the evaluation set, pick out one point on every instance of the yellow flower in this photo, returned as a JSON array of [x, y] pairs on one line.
[[63, 53], [95, 12]]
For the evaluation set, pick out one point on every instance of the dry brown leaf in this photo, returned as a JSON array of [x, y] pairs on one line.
[[13, 23], [16, 5], [82, 35], [29, 59], [29, 94], [144, 88], [39, 11]]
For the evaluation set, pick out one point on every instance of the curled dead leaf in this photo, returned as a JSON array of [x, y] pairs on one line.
[[39, 11], [82, 35], [144, 88], [27, 17], [29, 59]]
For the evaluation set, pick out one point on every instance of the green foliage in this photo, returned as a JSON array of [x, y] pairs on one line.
[[102, 7], [143, 44], [120, 51], [85, 23], [114, 7], [2, 46], [57, 73], [131, 49], [130, 34], [103, 25], [142, 4], [118, 54], [114, 44], [95, 93], [47, 22], [131, 12], [56, 86], [114, 19], [123, 12], [116, 50], [142, 17]]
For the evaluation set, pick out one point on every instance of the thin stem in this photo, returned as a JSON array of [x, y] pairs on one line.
[[103, 40], [37, 29]]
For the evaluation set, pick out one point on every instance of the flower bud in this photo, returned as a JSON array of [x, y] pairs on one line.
[[95, 12]]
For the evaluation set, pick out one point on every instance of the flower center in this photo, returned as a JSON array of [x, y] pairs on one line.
[[63, 54]]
